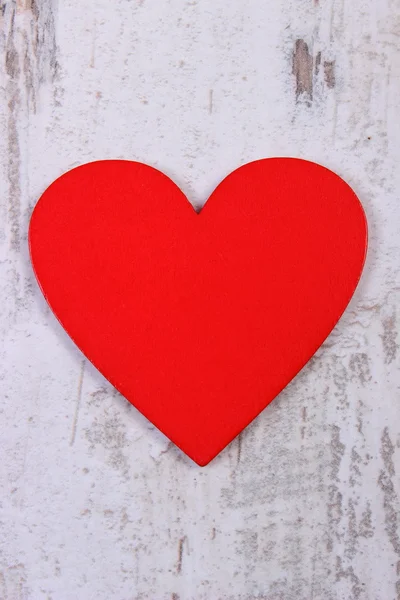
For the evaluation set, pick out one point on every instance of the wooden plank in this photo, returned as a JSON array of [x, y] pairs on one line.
[[96, 503]]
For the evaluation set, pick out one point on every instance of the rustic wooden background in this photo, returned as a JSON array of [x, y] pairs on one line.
[[95, 503]]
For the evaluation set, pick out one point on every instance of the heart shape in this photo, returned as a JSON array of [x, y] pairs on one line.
[[199, 320]]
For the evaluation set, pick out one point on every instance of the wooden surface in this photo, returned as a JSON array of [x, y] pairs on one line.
[[95, 503]]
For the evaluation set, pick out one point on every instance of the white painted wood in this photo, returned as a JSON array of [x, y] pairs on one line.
[[95, 503]]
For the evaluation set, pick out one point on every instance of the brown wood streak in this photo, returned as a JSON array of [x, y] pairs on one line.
[[303, 69], [34, 62], [181, 543], [329, 72]]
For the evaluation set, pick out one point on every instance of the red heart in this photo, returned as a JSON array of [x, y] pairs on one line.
[[199, 320]]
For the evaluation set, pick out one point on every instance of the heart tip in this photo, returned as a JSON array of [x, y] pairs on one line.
[[202, 461]]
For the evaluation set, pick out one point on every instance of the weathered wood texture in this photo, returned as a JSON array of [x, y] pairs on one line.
[[95, 503]]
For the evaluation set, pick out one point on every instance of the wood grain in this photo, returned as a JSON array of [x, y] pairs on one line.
[[95, 502]]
